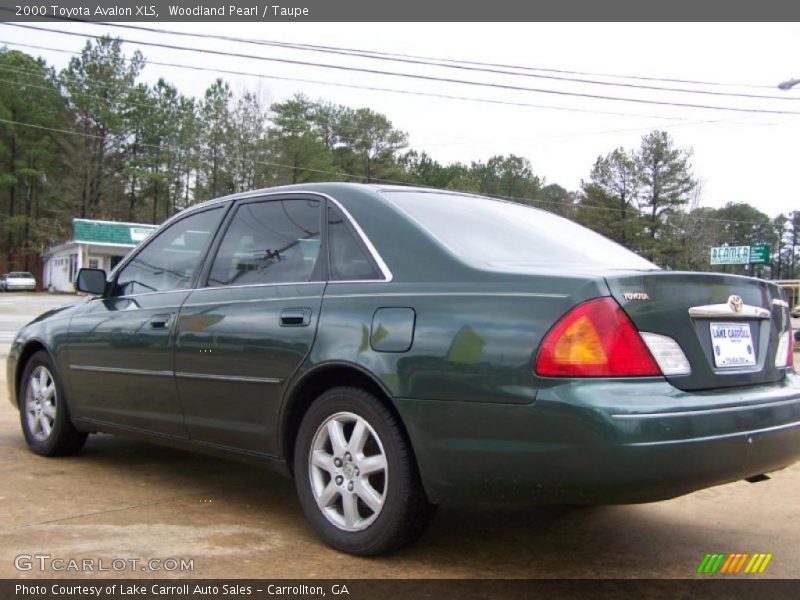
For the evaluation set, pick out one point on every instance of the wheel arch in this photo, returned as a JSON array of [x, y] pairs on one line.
[[314, 382], [31, 347]]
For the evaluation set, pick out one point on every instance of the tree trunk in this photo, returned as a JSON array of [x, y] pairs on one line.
[[155, 207], [795, 219], [156, 193], [27, 228], [12, 194], [623, 215], [186, 190], [214, 171], [132, 196], [97, 184]]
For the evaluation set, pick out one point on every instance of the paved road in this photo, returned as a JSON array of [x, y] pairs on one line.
[[123, 499], [18, 309]]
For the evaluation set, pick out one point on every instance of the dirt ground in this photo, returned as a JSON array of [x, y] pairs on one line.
[[124, 499]]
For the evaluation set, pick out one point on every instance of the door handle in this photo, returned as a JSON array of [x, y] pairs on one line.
[[295, 317], [160, 321]]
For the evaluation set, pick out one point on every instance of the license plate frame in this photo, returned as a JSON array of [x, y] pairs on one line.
[[732, 345]]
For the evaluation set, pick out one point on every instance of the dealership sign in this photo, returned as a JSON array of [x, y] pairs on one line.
[[740, 255]]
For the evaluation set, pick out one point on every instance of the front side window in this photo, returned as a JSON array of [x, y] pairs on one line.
[[170, 260], [276, 241]]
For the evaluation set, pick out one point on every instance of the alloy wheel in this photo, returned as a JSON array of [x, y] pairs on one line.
[[40, 403], [348, 470]]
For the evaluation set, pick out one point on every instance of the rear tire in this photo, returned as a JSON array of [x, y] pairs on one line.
[[356, 476], [43, 410]]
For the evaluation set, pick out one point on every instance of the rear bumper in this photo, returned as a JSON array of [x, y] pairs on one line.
[[602, 441]]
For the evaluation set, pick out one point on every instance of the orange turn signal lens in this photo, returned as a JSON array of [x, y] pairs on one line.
[[580, 344]]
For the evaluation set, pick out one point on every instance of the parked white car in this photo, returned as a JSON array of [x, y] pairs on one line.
[[18, 281]]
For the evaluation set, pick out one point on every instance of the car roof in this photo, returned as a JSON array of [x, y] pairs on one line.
[[330, 187]]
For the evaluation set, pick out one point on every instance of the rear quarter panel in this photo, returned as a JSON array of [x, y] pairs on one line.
[[472, 341]]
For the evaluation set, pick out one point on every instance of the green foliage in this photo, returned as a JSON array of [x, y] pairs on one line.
[[302, 146], [665, 178], [26, 153], [100, 89], [611, 198], [600, 210], [508, 176], [637, 197], [146, 151], [368, 145], [556, 199]]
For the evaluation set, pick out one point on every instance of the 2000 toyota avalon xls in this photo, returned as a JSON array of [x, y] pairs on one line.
[[395, 348]]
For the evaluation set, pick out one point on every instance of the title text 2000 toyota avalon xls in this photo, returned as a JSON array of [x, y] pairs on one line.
[[396, 348]]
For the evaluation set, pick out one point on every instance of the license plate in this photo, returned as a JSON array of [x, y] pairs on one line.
[[732, 345]]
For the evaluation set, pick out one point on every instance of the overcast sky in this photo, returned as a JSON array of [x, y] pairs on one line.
[[737, 156]]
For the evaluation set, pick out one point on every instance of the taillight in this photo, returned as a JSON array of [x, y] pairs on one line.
[[595, 339], [784, 357]]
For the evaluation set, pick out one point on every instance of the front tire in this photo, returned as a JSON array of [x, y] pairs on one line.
[[356, 476], [43, 410]]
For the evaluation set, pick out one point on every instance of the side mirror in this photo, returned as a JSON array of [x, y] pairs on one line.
[[91, 281]]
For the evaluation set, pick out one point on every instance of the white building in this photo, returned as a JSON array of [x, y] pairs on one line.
[[94, 244]]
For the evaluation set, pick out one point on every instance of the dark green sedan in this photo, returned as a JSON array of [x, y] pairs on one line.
[[397, 348]]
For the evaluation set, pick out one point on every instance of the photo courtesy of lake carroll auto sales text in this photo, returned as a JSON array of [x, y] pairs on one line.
[[387, 301], [180, 590]]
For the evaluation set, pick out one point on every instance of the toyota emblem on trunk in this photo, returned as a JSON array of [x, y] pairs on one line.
[[735, 302]]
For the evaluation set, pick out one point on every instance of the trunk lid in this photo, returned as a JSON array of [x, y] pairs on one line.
[[719, 341]]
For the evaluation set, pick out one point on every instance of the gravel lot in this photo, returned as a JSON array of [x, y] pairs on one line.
[[123, 499]]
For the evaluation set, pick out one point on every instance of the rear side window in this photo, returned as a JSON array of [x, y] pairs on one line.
[[497, 233], [349, 260], [170, 260], [276, 241]]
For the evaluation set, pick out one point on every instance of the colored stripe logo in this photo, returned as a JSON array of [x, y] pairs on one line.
[[734, 564]]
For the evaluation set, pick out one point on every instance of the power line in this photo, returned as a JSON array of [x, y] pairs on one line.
[[566, 71], [685, 123], [377, 53], [128, 101], [369, 88], [407, 59], [545, 137], [370, 179], [195, 102], [548, 70], [623, 130], [150, 106], [682, 123], [416, 76]]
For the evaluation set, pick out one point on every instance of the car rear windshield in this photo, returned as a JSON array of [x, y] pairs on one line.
[[499, 233], [19, 275]]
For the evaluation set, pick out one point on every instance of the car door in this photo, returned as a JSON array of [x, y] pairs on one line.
[[121, 345], [241, 337]]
